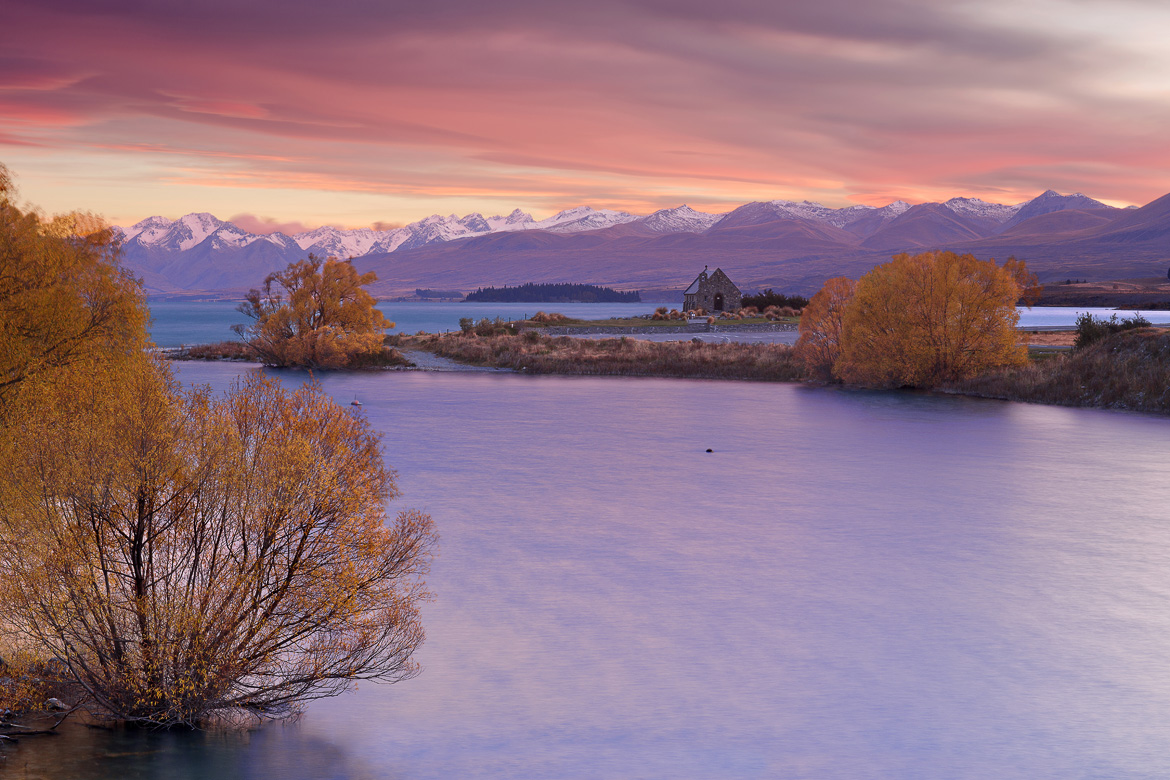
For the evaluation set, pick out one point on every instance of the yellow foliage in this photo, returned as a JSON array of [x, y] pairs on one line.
[[820, 326], [65, 304], [930, 318], [315, 314], [187, 557]]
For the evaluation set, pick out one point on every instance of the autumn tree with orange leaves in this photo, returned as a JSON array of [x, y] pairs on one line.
[[191, 558], [821, 325], [65, 304], [922, 320], [175, 558], [315, 314]]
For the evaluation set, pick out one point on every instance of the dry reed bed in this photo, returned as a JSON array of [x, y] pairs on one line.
[[1128, 370], [238, 350], [534, 353], [222, 350]]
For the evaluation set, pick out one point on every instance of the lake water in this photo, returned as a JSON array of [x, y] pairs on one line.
[[204, 322], [854, 585]]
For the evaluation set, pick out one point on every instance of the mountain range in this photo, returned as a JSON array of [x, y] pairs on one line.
[[787, 245]]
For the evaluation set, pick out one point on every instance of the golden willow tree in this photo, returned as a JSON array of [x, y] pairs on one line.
[[935, 317], [183, 558], [821, 325], [65, 305], [315, 314], [188, 557]]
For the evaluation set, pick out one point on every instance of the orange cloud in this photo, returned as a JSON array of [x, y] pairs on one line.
[[634, 105], [265, 225]]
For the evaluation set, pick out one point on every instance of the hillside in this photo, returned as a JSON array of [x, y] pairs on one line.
[[793, 246]]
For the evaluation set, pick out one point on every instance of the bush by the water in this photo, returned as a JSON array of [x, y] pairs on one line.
[[485, 327], [920, 321], [221, 350], [1129, 369], [315, 314], [549, 318], [1092, 329]]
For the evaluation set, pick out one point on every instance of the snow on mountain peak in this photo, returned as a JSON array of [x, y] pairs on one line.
[[974, 207], [197, 228], [151, 229], [582, 218], [682, 219], [160, 234]]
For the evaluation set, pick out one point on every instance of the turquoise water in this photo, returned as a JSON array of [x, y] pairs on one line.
[[204, 322], [853, 585]]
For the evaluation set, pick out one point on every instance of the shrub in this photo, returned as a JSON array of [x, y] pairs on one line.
[[821, 326], [315, 314], [930, 318], [550, 318], [1092, 329], [770, 298], [1124, 370]]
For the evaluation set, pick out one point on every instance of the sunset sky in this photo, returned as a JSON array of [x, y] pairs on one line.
[[359, 112]]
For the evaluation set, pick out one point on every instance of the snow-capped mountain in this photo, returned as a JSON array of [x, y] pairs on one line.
[[974, 207], [329, 241], [582, 218], [150, 229], [199, 251], [517, 220], [683, 219], [159, 234]]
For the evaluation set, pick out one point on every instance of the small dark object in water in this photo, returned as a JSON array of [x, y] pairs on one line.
[[710, 450]]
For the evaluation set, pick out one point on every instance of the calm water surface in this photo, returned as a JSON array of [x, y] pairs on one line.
[[205, 322], [176, 323], [852, 585]]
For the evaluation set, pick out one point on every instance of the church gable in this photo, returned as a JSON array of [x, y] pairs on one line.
[[712, 292]]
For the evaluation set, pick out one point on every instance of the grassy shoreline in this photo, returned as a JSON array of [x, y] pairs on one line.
[[534, 353], [1129, 370]]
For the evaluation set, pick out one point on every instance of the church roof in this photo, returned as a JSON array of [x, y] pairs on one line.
[[694, 288]]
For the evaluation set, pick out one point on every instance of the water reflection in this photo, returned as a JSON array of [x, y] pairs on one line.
[[852, 585]]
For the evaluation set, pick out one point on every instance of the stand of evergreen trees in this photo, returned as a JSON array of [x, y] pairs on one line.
[[771, 298], [553, 293], [428, 293]]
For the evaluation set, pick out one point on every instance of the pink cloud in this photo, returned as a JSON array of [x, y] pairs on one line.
[[646, 103], [265, 225]]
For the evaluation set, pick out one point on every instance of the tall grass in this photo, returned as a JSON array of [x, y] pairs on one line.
[[1124, 370], [535, 353]]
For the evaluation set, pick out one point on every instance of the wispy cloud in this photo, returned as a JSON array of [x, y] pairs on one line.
[[646, 101]]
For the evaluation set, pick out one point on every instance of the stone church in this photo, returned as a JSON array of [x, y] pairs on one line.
[[712, 292]]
